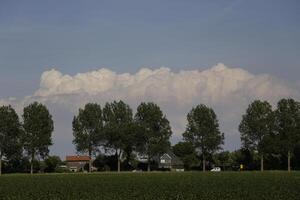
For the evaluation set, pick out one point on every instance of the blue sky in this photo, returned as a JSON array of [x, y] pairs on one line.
[[80, 36]]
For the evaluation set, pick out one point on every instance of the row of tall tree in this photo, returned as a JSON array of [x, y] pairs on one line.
[[31, 136], [263, 131], [271, 131], [114, 129]]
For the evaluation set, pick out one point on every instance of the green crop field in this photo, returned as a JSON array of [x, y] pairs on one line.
[[188, 185]]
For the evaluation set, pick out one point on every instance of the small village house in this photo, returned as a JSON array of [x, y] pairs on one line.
[[171, 162], [77, 163]]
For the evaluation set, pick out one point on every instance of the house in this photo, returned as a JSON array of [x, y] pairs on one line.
[[77, 163], [170, 161]]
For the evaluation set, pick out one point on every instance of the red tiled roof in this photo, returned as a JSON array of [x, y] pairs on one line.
[[77, 158]]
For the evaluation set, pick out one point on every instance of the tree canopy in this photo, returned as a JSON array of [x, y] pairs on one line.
[[186, 152], [52, 163], [88, 129], [257, 127], [119, 128], [288, 125], [154, 130], [203, 132], [10, 129], [38, 127]]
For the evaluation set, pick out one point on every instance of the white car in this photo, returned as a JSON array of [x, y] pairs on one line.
[[137, 170], [216, 169]]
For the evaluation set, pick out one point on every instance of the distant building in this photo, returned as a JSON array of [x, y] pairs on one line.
[[76, 163], [170, 161]]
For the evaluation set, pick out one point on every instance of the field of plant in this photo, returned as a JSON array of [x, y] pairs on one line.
[[188, 185]]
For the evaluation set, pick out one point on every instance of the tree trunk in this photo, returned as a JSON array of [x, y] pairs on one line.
[[31, 163], [118, 155], [0, 164], [289, 161], [119, 164], [203, 163], [148, 167], [262, 163], [90, 161]]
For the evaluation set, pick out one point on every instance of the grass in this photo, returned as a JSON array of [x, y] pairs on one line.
[[187, 185]]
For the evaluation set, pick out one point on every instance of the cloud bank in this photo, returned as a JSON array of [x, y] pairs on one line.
[[227, 90]]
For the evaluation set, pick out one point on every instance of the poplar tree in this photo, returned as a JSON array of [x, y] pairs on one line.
[[38, 127], [119, 128], [154, 131], [203, 132], [10, 129], [256, 127], [288, 126], [88, 130]]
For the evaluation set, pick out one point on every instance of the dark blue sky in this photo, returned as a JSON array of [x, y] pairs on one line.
[[77, 36]]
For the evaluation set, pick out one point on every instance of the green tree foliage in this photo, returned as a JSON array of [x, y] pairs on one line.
[[296, 158], [203, 131], [88, 130], [100, 162], [52, 163], [38, 127], [154, 131], [288, 125], [19, 164], [186, 152], [119, 128], [224, 160], [257, 128], [10, 142]]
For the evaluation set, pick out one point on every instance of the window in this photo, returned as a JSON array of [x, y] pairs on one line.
[[162, 161]]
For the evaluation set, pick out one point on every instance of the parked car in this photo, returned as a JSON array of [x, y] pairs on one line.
[[216, 169], [137, 170]]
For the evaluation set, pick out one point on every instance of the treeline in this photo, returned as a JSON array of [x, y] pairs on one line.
[[115, 130], [117, 138], [24, 143], [272, 132]]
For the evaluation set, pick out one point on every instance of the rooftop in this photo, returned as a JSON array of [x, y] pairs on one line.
[[77, 158]]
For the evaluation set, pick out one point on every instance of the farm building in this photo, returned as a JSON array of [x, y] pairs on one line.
[[76, 163], [170, 161]]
